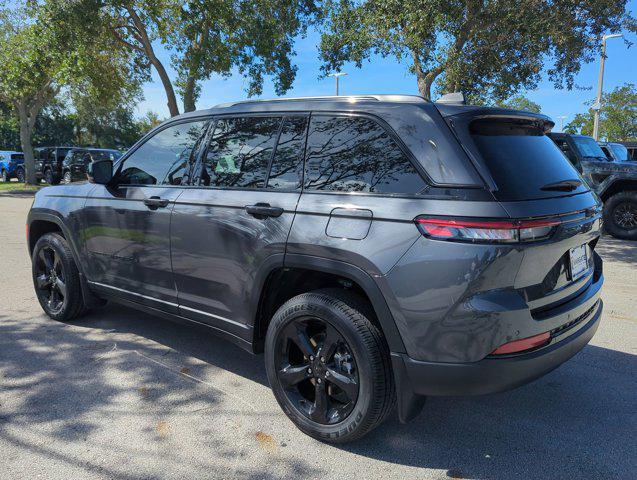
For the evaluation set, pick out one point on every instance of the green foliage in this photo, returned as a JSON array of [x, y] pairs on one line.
[[617, 117], [485, 48], [520, 102], [51, 45]]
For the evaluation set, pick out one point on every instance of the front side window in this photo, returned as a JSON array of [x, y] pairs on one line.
[[240, 151], [354, 154], [163, 158]]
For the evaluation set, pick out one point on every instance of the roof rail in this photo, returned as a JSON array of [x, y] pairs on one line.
[[344, 98]]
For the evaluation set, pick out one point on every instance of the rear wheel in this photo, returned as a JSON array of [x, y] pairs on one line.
[[48, 176], [620, 215], [56, 278], [19, 173], [329, 366]]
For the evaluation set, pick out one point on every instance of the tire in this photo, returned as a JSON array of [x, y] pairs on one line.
[[48, 176], [358, 360], [620, 215], [19, 173], [67, 178], [52, 254], [4, 177]]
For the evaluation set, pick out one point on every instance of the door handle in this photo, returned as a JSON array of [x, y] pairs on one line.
[[155, 202], [264, 210]]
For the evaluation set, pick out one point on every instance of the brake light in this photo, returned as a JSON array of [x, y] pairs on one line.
[[487, 231], [523, 344]]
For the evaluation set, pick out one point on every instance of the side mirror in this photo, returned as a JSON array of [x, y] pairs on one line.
[[100, 172]]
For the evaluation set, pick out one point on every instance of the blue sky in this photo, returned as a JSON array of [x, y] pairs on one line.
[[388, 76]]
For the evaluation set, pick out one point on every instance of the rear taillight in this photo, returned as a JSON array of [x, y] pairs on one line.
[[486, 231], [523, 344]]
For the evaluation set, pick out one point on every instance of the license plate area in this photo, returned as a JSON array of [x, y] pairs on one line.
[[578, 261]]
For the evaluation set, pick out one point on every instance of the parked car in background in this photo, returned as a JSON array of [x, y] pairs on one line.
[[615, 152], [76, 163], [632, 150], [615, 182], [379, 249], [11, 166], [48, 163]]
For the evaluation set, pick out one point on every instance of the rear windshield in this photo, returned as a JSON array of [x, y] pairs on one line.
[[17, 156], [522, 160], [589, 148]]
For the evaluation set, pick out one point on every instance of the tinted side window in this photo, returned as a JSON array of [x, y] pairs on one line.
[[352, 154], [240, 151], [164, 157], [287, 163]]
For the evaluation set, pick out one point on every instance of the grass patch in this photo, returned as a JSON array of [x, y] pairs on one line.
[[9, 187]]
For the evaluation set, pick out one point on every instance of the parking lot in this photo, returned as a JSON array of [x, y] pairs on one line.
[[123, 395]]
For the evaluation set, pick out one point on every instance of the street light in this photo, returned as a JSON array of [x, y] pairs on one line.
[[336, 76], [600, 80], [561, 118]]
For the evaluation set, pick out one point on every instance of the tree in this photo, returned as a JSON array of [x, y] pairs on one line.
[[520, 102], [49, 46], [485, 48], [213, 36], [254, 36], [617, 117]]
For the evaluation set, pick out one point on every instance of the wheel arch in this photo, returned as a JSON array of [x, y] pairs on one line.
[[617, 186], [274, 290]]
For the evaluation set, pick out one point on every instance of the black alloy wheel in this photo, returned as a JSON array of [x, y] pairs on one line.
[[317, 370], [625, 215], [50, 279], [56, 278], [620, 215], [329, 365]]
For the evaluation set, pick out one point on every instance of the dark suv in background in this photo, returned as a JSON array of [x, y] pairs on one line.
[[614, 182], [379, 249], [48, 163], [77, 161]]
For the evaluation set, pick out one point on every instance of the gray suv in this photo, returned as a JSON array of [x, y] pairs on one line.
[[378, 249]]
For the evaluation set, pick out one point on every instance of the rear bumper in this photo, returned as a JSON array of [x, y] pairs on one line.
[[494, 374]]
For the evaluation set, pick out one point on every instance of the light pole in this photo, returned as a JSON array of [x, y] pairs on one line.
[[600, 80], [337, 75], [561, 119]]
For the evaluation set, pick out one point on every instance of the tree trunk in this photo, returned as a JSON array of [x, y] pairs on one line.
[[425, 79], [189, 94], [27, 148], [150, 54]]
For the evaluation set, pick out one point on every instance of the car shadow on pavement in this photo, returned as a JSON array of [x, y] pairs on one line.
[[613, 249], [577, 422], [573, 422]]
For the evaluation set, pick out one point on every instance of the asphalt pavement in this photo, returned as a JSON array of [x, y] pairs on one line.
[[124, 395]]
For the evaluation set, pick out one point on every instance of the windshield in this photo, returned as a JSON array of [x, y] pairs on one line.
[[621, 152], [523, 161], [20, 156], [589, 148]]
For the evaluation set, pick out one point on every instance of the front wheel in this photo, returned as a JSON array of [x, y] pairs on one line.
[[67, 177], [329, 366], [620, 215], [4, 177], [56, 278]]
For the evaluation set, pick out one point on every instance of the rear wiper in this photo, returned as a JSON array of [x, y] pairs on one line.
[[563, 186]]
